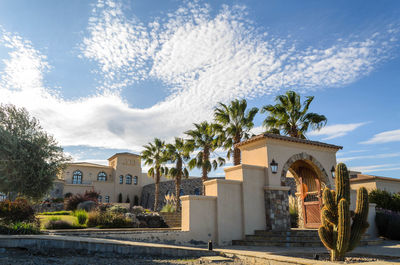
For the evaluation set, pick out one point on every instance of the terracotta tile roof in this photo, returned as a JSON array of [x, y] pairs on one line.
[[361, 177], [288, 139]]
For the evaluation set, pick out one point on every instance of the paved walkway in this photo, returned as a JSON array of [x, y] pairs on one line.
[[281, 254], [260, 255]]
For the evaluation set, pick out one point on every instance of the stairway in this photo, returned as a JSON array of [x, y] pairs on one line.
[[290, 238], [173, 220]]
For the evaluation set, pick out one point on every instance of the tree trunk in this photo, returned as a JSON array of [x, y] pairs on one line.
[[204, 175], [157, 189], [236, 151], [178, 185]]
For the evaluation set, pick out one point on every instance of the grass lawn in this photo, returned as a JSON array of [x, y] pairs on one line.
[[44, 219]]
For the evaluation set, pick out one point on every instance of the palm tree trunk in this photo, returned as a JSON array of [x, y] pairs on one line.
[[204, 173], [157, 189], [178, 185], [236, 151]]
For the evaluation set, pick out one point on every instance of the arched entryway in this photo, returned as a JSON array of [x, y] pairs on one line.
[[309, 179]]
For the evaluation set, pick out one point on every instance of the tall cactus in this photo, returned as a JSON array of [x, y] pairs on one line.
[[337, 232]]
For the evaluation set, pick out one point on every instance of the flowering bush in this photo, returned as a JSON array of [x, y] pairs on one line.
[[17, 211]]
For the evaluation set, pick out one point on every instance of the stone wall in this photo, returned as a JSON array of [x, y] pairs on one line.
[[277, 208], [189, 186]]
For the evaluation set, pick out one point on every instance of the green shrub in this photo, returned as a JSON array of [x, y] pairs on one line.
[[382, 198], [81, 215], [54, 218], [58, 224], [388, 224], [17, 211], [20, 228], [168, 208], [57, 213], [118, 209], [108, 219]]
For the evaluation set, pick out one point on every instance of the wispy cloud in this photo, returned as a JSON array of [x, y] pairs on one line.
[[201, 58], [336, 130], [384, 137], [375, 156], [376, 168]]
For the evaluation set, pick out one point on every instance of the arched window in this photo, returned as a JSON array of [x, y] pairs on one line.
[[181, 192], [196, 191], [121, 179], [136, 200], [102, 176], [99, 198], [77, 177], [107, 199], [128, 179], [135, 180]]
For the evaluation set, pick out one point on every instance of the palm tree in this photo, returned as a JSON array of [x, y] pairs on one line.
[[154, 156], [290, 116], [234, 124], [178, 153], [204, 138]]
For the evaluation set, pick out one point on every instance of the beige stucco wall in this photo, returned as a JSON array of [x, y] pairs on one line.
[[229, 204], [119, 164], [253, 180], [368, 184], [388, 185], [261, 153], [199, 217]]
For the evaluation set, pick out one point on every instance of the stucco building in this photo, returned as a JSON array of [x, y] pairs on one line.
[[123, 177]]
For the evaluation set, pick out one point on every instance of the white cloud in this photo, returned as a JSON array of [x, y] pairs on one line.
[[384, 137], [376, 168], [375, 156], [336, 130], [201, 58]]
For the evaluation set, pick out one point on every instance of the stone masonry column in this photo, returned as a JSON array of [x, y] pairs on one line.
[[277, 208]]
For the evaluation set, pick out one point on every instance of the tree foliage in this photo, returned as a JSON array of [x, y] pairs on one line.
[[30, 158], [178, 153], [204, 139], [154, 156], [233, 126], [291, 117]]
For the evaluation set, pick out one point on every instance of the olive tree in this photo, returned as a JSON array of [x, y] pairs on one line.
[[30, 158]]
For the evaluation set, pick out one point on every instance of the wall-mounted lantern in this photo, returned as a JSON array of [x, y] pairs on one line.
[[333, 172], [274, 166]]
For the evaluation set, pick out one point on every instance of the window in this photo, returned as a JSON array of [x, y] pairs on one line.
[[99, 198], [196, 191], [121, 179], [135, 180], [181, 193], [107, 199], [102, 176], [77, 177], [128, 179]]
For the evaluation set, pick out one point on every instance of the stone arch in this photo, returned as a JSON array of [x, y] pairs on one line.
[[307, 158]]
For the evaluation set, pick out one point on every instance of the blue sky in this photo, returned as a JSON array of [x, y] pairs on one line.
[[108, 76]]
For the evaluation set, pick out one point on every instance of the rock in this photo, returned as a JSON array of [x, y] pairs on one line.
[[87, 206]]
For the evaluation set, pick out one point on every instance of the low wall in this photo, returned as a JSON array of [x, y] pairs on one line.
[[151, 235], [47, 244]]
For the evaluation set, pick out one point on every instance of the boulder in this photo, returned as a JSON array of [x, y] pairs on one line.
[[87, 206]]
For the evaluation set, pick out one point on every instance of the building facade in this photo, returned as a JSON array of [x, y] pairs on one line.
[[121, 181]]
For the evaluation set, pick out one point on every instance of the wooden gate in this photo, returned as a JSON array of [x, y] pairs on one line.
[[310, 188]]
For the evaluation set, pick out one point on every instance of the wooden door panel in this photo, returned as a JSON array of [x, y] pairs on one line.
[[310, 197]]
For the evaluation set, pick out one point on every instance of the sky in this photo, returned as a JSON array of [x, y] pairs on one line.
[[108, 76]]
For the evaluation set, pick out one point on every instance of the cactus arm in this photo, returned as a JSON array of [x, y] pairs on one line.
[[329, 216], [360, 223], [326, 237], [343, 228], [342, 183]]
